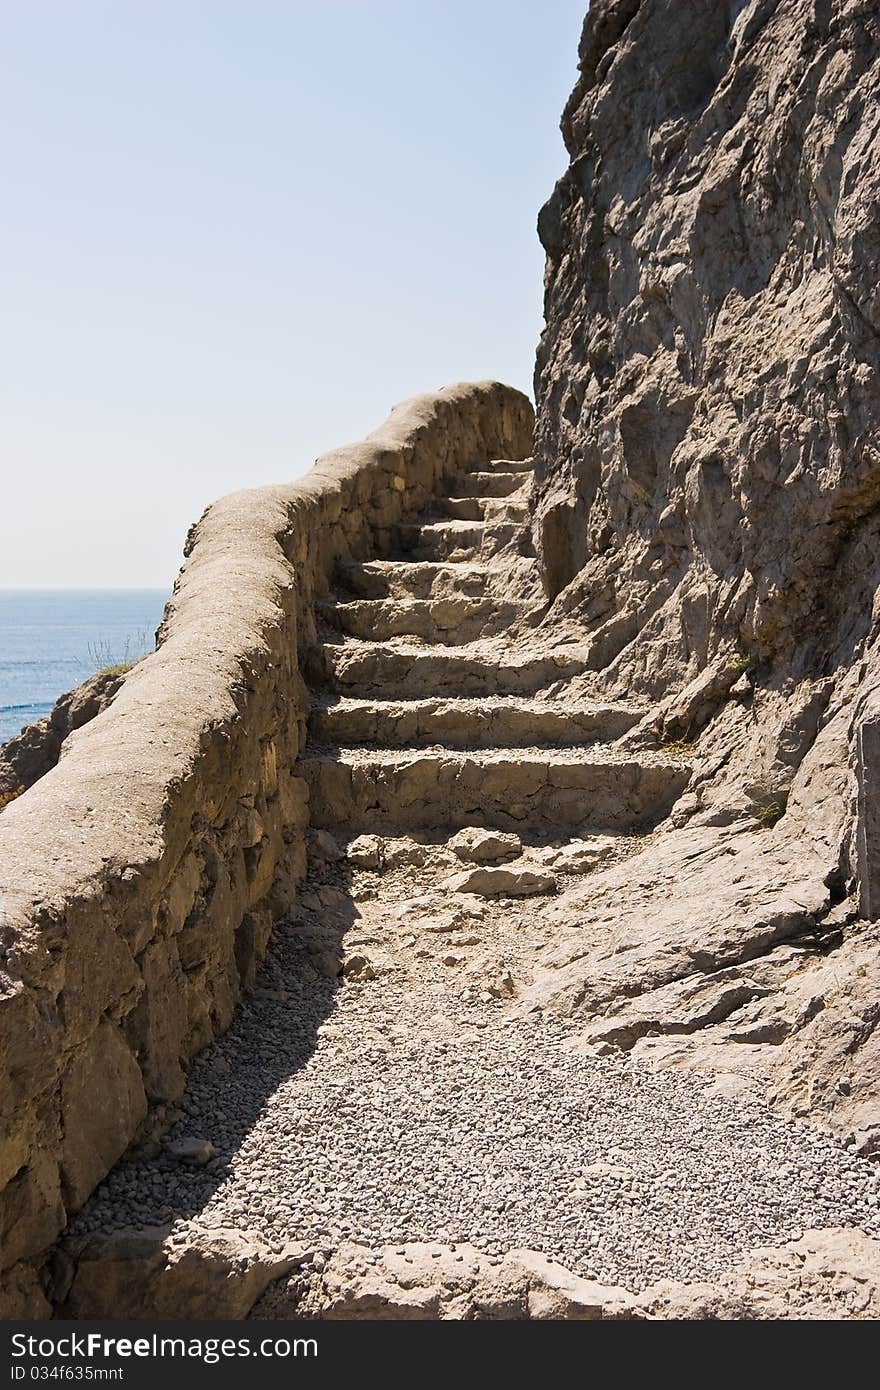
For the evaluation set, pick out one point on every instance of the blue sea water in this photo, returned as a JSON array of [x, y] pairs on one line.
[[51, 639]]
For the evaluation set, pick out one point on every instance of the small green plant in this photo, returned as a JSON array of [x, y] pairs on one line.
[[109, 661], [676, 747], [6, 797], [741, 664], [770, 809], [118, 670]]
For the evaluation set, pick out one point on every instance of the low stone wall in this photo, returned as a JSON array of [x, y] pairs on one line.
[[140, 878]]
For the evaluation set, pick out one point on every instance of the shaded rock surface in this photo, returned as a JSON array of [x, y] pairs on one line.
[[142, 1274]]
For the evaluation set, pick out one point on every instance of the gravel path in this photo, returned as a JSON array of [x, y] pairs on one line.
[[410, 1106]]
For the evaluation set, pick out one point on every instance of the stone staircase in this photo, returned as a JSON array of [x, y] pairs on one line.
[[440, 703]]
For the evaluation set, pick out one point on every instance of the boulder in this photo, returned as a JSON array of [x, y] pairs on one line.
[[193, 1151], [365, 852], [145, 1274], [477, 846], [324, 847], [517, 881]]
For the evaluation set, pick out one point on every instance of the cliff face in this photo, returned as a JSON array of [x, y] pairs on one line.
[[708, 460], [708, 401], [707, 382]]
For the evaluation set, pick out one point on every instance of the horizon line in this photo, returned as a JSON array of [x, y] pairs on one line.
[[86, 588]]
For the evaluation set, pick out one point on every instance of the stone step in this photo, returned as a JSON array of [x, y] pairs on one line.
[[402, 670], [440, 539], [481, 484], [503, 466], [445, 540], [493, 509], [467, 723], [500, 788], [402, 579], [447, 620]]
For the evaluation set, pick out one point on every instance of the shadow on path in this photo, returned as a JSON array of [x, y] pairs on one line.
[[272, 1037]]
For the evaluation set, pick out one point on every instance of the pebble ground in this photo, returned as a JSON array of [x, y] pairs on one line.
[[409, 1106]]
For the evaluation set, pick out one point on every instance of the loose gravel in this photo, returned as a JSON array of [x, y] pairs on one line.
[[402, 1108]]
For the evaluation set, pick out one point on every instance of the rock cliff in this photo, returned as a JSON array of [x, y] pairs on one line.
[[708, 481], [32, 753]]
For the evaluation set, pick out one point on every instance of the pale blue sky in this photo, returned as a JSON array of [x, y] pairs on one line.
[[235, 232]]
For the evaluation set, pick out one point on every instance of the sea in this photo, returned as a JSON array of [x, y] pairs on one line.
[[52, 639]]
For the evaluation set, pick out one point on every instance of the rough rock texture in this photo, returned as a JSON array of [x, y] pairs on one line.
[[652, 662], [395, 1078], [398, 1095], [143, 1274], [28, 756], [828, 1274], [516, 881], [707, 518], [476, 846], [140, 878]]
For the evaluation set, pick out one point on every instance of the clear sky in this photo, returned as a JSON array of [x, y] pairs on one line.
[[235, 232]]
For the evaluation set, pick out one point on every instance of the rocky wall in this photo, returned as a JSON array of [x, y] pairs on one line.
[[708, 518], [141, 876], [707, 382], [29, 755]]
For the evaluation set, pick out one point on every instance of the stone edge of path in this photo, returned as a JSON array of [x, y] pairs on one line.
[[180, 805], [828, 1273]]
